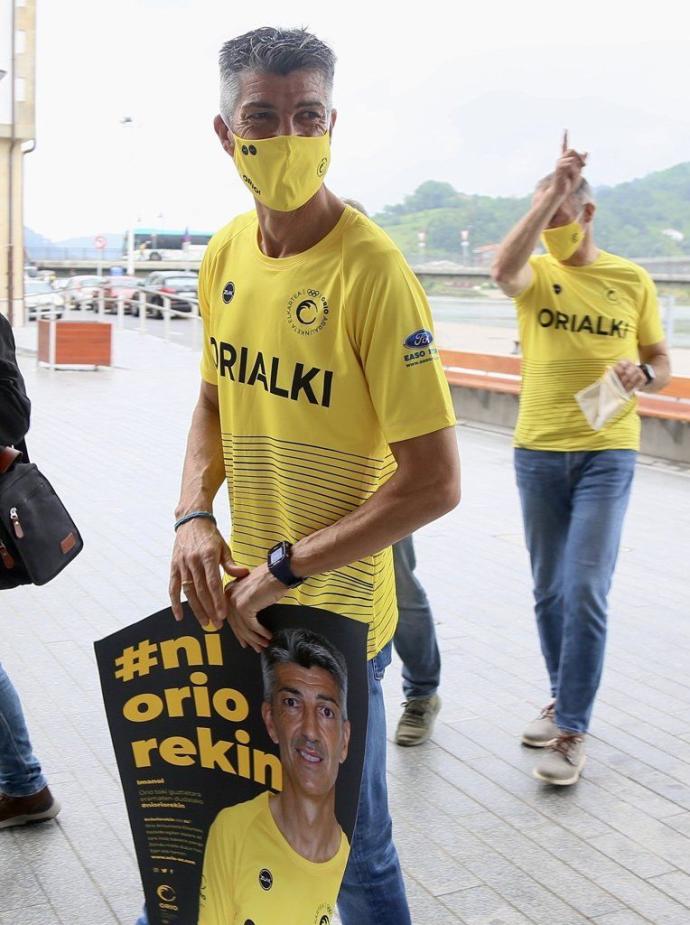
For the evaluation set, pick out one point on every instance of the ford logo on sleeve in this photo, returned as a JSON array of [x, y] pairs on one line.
[[421, 338]]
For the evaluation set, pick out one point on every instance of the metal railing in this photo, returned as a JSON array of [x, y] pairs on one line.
[[148, 302]]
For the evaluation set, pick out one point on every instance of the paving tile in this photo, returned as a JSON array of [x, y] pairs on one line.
[[481, 906], [621, 918], [631, 856], [432, 866], [20, 887], [676, 884], [32, 915]]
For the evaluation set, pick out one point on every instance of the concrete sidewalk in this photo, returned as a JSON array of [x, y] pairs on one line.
[[482, 843]]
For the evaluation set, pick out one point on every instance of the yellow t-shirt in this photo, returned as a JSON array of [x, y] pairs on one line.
[[252, 875], [321, 361], [573, 323]]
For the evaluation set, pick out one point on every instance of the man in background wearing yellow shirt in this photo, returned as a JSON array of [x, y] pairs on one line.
[[323, 405], [281, 858], [580, 311]]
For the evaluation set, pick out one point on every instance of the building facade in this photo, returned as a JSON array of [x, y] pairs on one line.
[[17, 138]]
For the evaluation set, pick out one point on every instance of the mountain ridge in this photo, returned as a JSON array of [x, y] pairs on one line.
[[648, 216]]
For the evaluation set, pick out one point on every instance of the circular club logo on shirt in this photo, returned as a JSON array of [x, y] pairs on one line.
[[307, 312], [265, 879], [228, 292], [323, 915]]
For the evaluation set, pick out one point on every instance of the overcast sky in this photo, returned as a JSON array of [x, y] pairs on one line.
[[473, 93]]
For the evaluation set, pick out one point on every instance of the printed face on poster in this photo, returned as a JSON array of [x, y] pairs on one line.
[[240, 773]]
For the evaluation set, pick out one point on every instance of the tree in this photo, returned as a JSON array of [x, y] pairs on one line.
[[431, 195]]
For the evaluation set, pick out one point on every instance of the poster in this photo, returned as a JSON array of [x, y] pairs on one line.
[[215, 774]]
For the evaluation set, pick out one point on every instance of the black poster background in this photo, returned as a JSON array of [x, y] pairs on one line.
[[170, 832]]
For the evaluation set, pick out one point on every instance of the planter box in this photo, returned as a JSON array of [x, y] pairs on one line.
[[75, 343]]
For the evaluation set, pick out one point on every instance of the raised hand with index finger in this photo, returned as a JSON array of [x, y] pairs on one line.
[[569, 166]]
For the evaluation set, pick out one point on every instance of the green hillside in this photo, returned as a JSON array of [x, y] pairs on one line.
[[630, 221]]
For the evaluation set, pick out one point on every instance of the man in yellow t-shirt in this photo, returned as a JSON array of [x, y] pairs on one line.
[[580, 311], [281, 858], [323, 405]]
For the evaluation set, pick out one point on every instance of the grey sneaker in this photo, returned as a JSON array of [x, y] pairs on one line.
[[417, 722], [564, 761], [542, 731]]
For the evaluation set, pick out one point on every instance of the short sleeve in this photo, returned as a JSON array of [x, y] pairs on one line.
[[216, 900], [395, 338], [207, 365], [529, 296], [649, 327]]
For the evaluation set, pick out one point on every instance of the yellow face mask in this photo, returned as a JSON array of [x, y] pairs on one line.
[[283, 172], [562, 242]]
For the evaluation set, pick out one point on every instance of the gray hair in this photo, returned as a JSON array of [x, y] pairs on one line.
[[271, 51], [356, 204], [308, 650], [582, 194]]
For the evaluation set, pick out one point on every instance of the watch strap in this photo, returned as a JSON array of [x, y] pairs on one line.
[[648, 372], [280, 567]]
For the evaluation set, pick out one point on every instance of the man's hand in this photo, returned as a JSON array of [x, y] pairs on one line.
[[569, 168], [630, 375], [511, 270], [198, 554], [245, 598]]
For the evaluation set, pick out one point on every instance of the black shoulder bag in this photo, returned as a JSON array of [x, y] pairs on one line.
[[38, 538]]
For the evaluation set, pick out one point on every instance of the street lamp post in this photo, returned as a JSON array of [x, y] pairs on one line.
[[465, 245], [129, 121]]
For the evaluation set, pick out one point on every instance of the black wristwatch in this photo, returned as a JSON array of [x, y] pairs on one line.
[[278, 561], [648, 371]]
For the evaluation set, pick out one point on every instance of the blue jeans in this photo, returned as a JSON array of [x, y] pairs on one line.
[[573, 505], [415, 636], [20, 772], [372, 891]]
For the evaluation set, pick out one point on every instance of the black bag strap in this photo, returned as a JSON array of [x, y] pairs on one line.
[[8, 457]]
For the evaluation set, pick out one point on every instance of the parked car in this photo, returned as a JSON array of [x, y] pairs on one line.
[[81, 291], [41, 300], [178, 287], [121, 287], [158, 277]]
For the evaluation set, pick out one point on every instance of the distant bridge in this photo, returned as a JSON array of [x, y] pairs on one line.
[[662, 269]]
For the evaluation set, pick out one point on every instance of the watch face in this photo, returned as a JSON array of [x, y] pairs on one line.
[[276, 555]]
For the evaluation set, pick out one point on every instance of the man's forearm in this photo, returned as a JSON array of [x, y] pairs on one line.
[[519, 245], [401, 506], [204, 469]]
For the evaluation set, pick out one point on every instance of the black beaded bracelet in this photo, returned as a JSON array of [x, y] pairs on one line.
[[192, 516]]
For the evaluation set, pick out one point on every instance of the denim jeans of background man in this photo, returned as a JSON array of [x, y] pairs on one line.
[[415, 636], [20, 771], [573, 506], [372, 892]]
